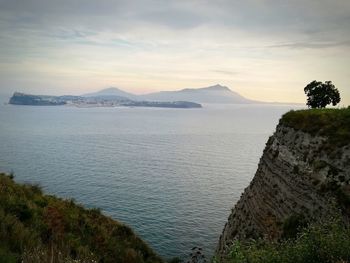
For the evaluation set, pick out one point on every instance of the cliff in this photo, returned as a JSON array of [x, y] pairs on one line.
[[303, 175], [40, 228], [35, 100]]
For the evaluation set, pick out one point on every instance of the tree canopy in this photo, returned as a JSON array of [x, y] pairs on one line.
[[320, 94]]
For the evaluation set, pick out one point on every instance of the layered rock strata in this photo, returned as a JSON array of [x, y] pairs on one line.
[[298, 174]]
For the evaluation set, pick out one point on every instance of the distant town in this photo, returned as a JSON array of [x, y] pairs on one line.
[[94, 101]]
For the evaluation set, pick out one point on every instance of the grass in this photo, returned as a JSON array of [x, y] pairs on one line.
[[322, 242], [331, 123], [40, 228]]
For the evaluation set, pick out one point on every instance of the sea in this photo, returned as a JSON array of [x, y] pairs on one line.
[[173, 175]]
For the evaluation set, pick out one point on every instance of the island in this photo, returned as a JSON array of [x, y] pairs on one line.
[[96, 101]]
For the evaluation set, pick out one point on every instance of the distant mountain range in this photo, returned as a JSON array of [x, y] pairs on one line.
[[110, 97], [111, 92], [212, 94]]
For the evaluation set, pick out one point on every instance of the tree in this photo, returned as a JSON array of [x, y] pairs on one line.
[[319, 94]]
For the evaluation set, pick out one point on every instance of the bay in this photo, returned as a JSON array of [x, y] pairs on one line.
[[171, 174]]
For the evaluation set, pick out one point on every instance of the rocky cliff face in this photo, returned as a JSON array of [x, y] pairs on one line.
[[298, 174]]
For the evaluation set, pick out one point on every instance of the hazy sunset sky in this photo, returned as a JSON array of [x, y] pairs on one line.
[[265, 50]]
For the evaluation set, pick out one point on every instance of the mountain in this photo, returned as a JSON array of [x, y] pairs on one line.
[[212, 94], [115, 92]]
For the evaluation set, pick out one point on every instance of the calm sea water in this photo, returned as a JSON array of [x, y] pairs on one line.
[[171, 174]]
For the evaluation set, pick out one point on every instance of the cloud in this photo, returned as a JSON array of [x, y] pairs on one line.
[[293, 24], [193, 41], [312, 45], [225, 72], [256, 15]]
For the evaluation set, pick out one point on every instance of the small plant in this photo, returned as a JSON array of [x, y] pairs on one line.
[[11, 175], [236, 254], [292, 225]]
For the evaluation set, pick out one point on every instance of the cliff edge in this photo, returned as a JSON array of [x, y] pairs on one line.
[[38, 228], [304, 172]]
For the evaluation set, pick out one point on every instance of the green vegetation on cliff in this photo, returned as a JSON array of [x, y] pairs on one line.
[[40, 228], [331, 123], [324, 242]]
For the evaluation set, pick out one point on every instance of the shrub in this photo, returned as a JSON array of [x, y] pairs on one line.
[[334, 124], [292, 225], [326, 241], [34, 227]]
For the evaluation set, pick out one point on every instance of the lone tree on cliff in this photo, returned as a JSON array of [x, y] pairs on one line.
[[319, 94]]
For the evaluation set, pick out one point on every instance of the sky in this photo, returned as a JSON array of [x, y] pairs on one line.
[[266, 50]]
